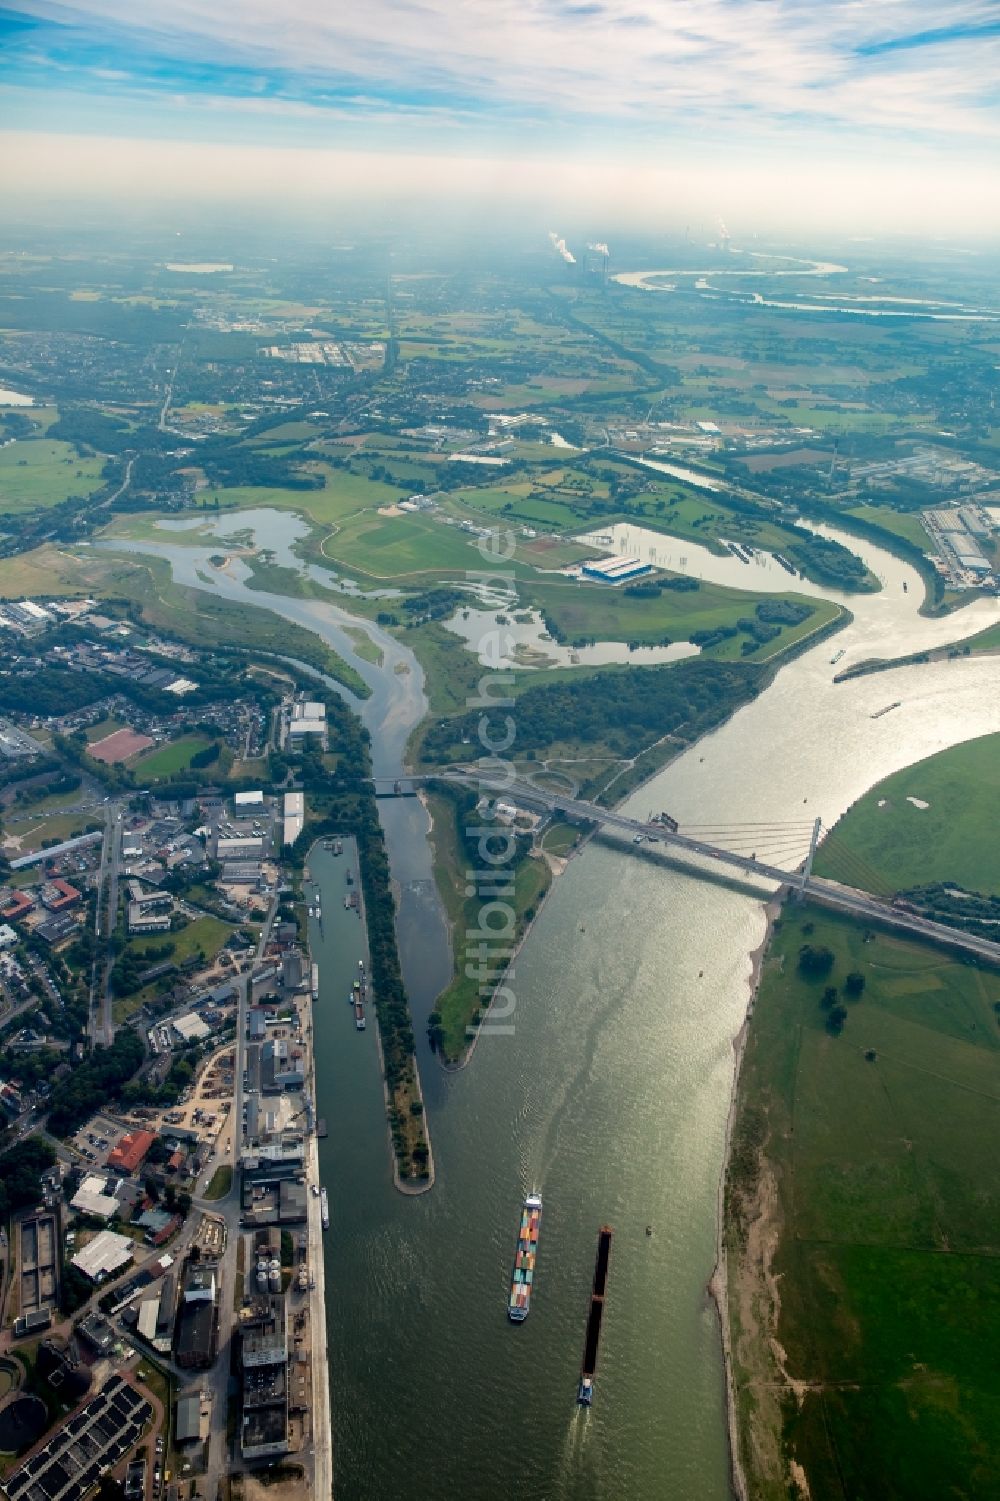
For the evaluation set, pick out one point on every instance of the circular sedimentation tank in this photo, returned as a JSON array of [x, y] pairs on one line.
[[23, 1420]]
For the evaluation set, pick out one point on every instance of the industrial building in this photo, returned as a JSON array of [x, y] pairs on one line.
[[264, 1367], [93, 1198], [280, 1066], [198, 1320], [187, 1419], [108, 1252], [190, 1028], [307, 718], [615, 570], [294, 816], [244, 847]]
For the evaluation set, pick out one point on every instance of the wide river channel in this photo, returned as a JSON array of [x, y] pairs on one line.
[[609, 1094]]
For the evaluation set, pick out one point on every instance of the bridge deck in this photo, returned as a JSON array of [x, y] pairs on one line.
[[829, 893]]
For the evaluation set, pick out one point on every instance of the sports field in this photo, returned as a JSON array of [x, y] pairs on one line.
[[119, 746], [176, 756]]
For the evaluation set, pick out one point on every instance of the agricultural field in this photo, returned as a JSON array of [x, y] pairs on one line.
[[953, 838], [37, 472], [862, 1184]]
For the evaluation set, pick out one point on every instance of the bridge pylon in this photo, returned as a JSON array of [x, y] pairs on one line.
[[807, 867]]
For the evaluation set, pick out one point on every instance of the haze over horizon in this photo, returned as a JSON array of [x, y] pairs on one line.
[[869, 117]]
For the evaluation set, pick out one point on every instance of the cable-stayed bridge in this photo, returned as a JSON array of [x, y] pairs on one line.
[[780, 852]]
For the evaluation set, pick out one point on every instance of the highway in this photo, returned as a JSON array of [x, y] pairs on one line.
[[829, 893]]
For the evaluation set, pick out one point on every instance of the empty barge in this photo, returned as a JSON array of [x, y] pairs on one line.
[[585, 1391]]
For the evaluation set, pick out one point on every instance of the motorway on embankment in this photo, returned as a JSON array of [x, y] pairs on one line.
[[862, 1216]]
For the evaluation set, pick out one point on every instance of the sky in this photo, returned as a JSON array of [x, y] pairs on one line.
[[869, 109]]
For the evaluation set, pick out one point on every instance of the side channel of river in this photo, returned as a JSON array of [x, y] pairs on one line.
[[610, 1096]]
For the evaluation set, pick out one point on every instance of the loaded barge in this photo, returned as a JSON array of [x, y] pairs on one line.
[[585, 1391], [524, 1259]]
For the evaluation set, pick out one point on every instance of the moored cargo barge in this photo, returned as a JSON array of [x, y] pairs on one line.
[[524, 1259], [585, 1391]]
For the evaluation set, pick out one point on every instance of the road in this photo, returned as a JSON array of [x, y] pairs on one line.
[[829, 893], [217, 1459], [126, 481], [100, 926], [101, 1002]]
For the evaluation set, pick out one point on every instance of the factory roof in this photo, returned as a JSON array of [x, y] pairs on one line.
[[91, 1198], [190, 1027], [104, 1254]]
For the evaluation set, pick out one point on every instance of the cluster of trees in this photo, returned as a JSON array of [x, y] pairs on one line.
[[632, 708], [431, 604], [943, 901], [902, 547], [96, 1080], [52, 786], [816, 962], [183, 1067], [827, 561], [650, 588], [21, 1167], [95, 432], [129, 967], [207, 756]]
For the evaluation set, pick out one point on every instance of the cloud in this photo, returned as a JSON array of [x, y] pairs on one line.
[[572, 77]]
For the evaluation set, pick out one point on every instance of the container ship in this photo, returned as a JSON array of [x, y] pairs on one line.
[[314, 981], [585, 1391], [524, 1259], [324, 1209]]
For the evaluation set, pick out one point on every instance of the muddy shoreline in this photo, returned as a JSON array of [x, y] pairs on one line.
[[718, 1286]]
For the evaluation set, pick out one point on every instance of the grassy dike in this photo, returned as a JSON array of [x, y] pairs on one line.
[[862, 1222]]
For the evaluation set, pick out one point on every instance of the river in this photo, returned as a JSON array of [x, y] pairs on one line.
[[610, 1095]]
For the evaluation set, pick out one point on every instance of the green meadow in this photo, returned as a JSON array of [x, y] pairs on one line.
[[881, 1146], [953, 839], [603, 613], [36, 472]]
